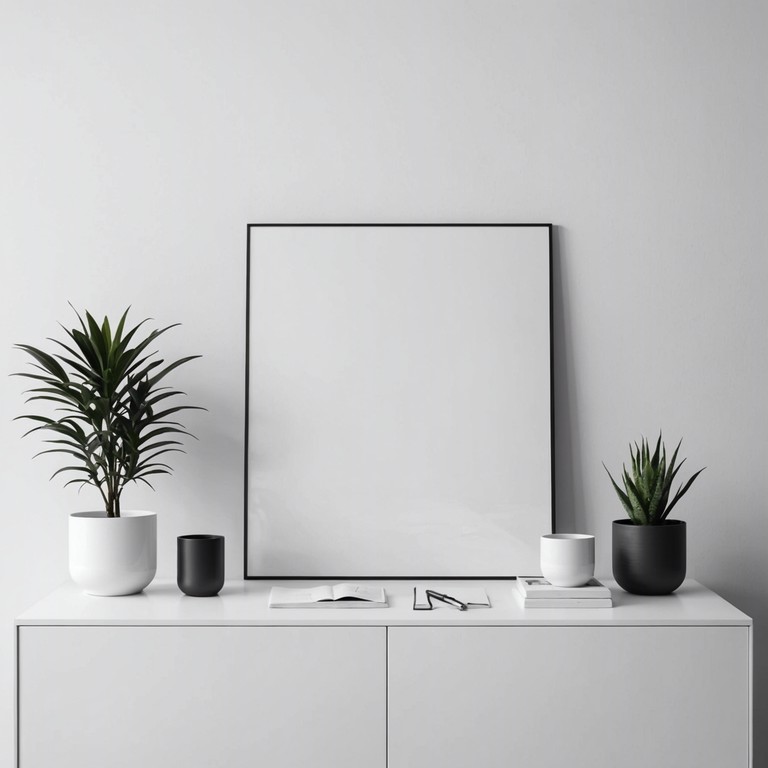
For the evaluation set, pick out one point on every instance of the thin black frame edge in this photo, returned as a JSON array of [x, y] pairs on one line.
[[246, 409], [549, 226], [553, 492]]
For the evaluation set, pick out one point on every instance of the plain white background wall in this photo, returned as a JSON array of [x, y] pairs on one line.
[[138, 139]]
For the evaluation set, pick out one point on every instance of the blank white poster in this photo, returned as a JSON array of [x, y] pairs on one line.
[[399, 400]]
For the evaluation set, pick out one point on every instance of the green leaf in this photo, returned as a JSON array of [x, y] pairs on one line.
[[91, 357], [47, 362], [674, 456], [655, 459], [82, 370], [649, 487], [621, 494], [147, 472], [78, 481], [682, 491], [97, 340], [126, 356], [106, 399], [155, 430], [119, 330], [172, 367], [640, 516], [70, 469], [149, 460], [657, 494], [106, 334]]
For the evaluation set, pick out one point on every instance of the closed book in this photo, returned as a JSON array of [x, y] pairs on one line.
[[565, 602], [539, 588]]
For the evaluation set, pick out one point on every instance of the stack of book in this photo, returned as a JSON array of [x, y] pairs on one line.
[[537, 592]]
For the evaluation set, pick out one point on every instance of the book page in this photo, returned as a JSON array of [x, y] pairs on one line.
[[347, 591], [302, 596]]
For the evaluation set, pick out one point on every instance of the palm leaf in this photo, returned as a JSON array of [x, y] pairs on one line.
[[46, 361], [103, 384]]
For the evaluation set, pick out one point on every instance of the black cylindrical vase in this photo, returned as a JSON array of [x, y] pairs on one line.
[[649, 559], [200, 564]]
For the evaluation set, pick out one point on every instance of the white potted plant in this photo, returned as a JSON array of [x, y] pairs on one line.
[[114, 423]]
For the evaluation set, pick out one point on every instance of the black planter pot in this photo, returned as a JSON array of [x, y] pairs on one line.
[[649, 559], [200, 564]]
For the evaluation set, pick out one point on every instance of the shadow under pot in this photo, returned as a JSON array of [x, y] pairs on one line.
[[200, 564], [649, 559]]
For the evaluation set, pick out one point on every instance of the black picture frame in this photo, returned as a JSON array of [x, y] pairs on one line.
[[342, 575]]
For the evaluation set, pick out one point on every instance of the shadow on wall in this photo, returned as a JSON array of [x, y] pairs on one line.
[[569, 495]]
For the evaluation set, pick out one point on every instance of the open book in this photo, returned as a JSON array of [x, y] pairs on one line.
[[336, 596]]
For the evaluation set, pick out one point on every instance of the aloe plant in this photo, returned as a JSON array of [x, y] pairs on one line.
[[111, 415], [647, 490]]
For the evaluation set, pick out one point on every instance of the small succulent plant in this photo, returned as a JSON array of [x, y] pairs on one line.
[[647, 490]]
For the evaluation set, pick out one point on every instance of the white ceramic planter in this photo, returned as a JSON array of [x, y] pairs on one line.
[[112, 555]]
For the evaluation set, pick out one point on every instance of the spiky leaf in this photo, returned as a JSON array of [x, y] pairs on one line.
[[105, 392], [648, 485]]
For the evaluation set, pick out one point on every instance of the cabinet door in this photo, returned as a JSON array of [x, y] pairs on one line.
[[202, 697], [582, 697]]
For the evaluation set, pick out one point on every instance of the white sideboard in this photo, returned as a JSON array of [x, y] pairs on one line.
[[161, 679]]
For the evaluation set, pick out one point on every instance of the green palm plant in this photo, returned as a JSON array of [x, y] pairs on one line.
[[112, 416], [647, 490]]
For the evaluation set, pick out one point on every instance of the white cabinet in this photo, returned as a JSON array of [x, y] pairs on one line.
[[543, 697], [202, 696], [161, 679]]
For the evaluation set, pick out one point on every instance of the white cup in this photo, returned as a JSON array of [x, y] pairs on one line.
[[568, 559]]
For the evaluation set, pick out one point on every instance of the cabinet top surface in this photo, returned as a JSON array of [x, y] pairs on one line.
[[244, 603]]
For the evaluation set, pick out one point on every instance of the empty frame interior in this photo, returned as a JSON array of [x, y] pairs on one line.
[[399, 400]]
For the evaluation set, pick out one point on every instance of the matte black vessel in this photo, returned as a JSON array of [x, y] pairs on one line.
[[649, 559], [200, 564]]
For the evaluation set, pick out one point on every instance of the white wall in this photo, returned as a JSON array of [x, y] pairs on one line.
[[138, 139]]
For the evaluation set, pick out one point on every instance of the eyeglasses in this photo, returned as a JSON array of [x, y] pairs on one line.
[[443, 598]]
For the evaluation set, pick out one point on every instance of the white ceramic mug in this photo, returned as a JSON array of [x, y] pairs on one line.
[[568, 559]]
